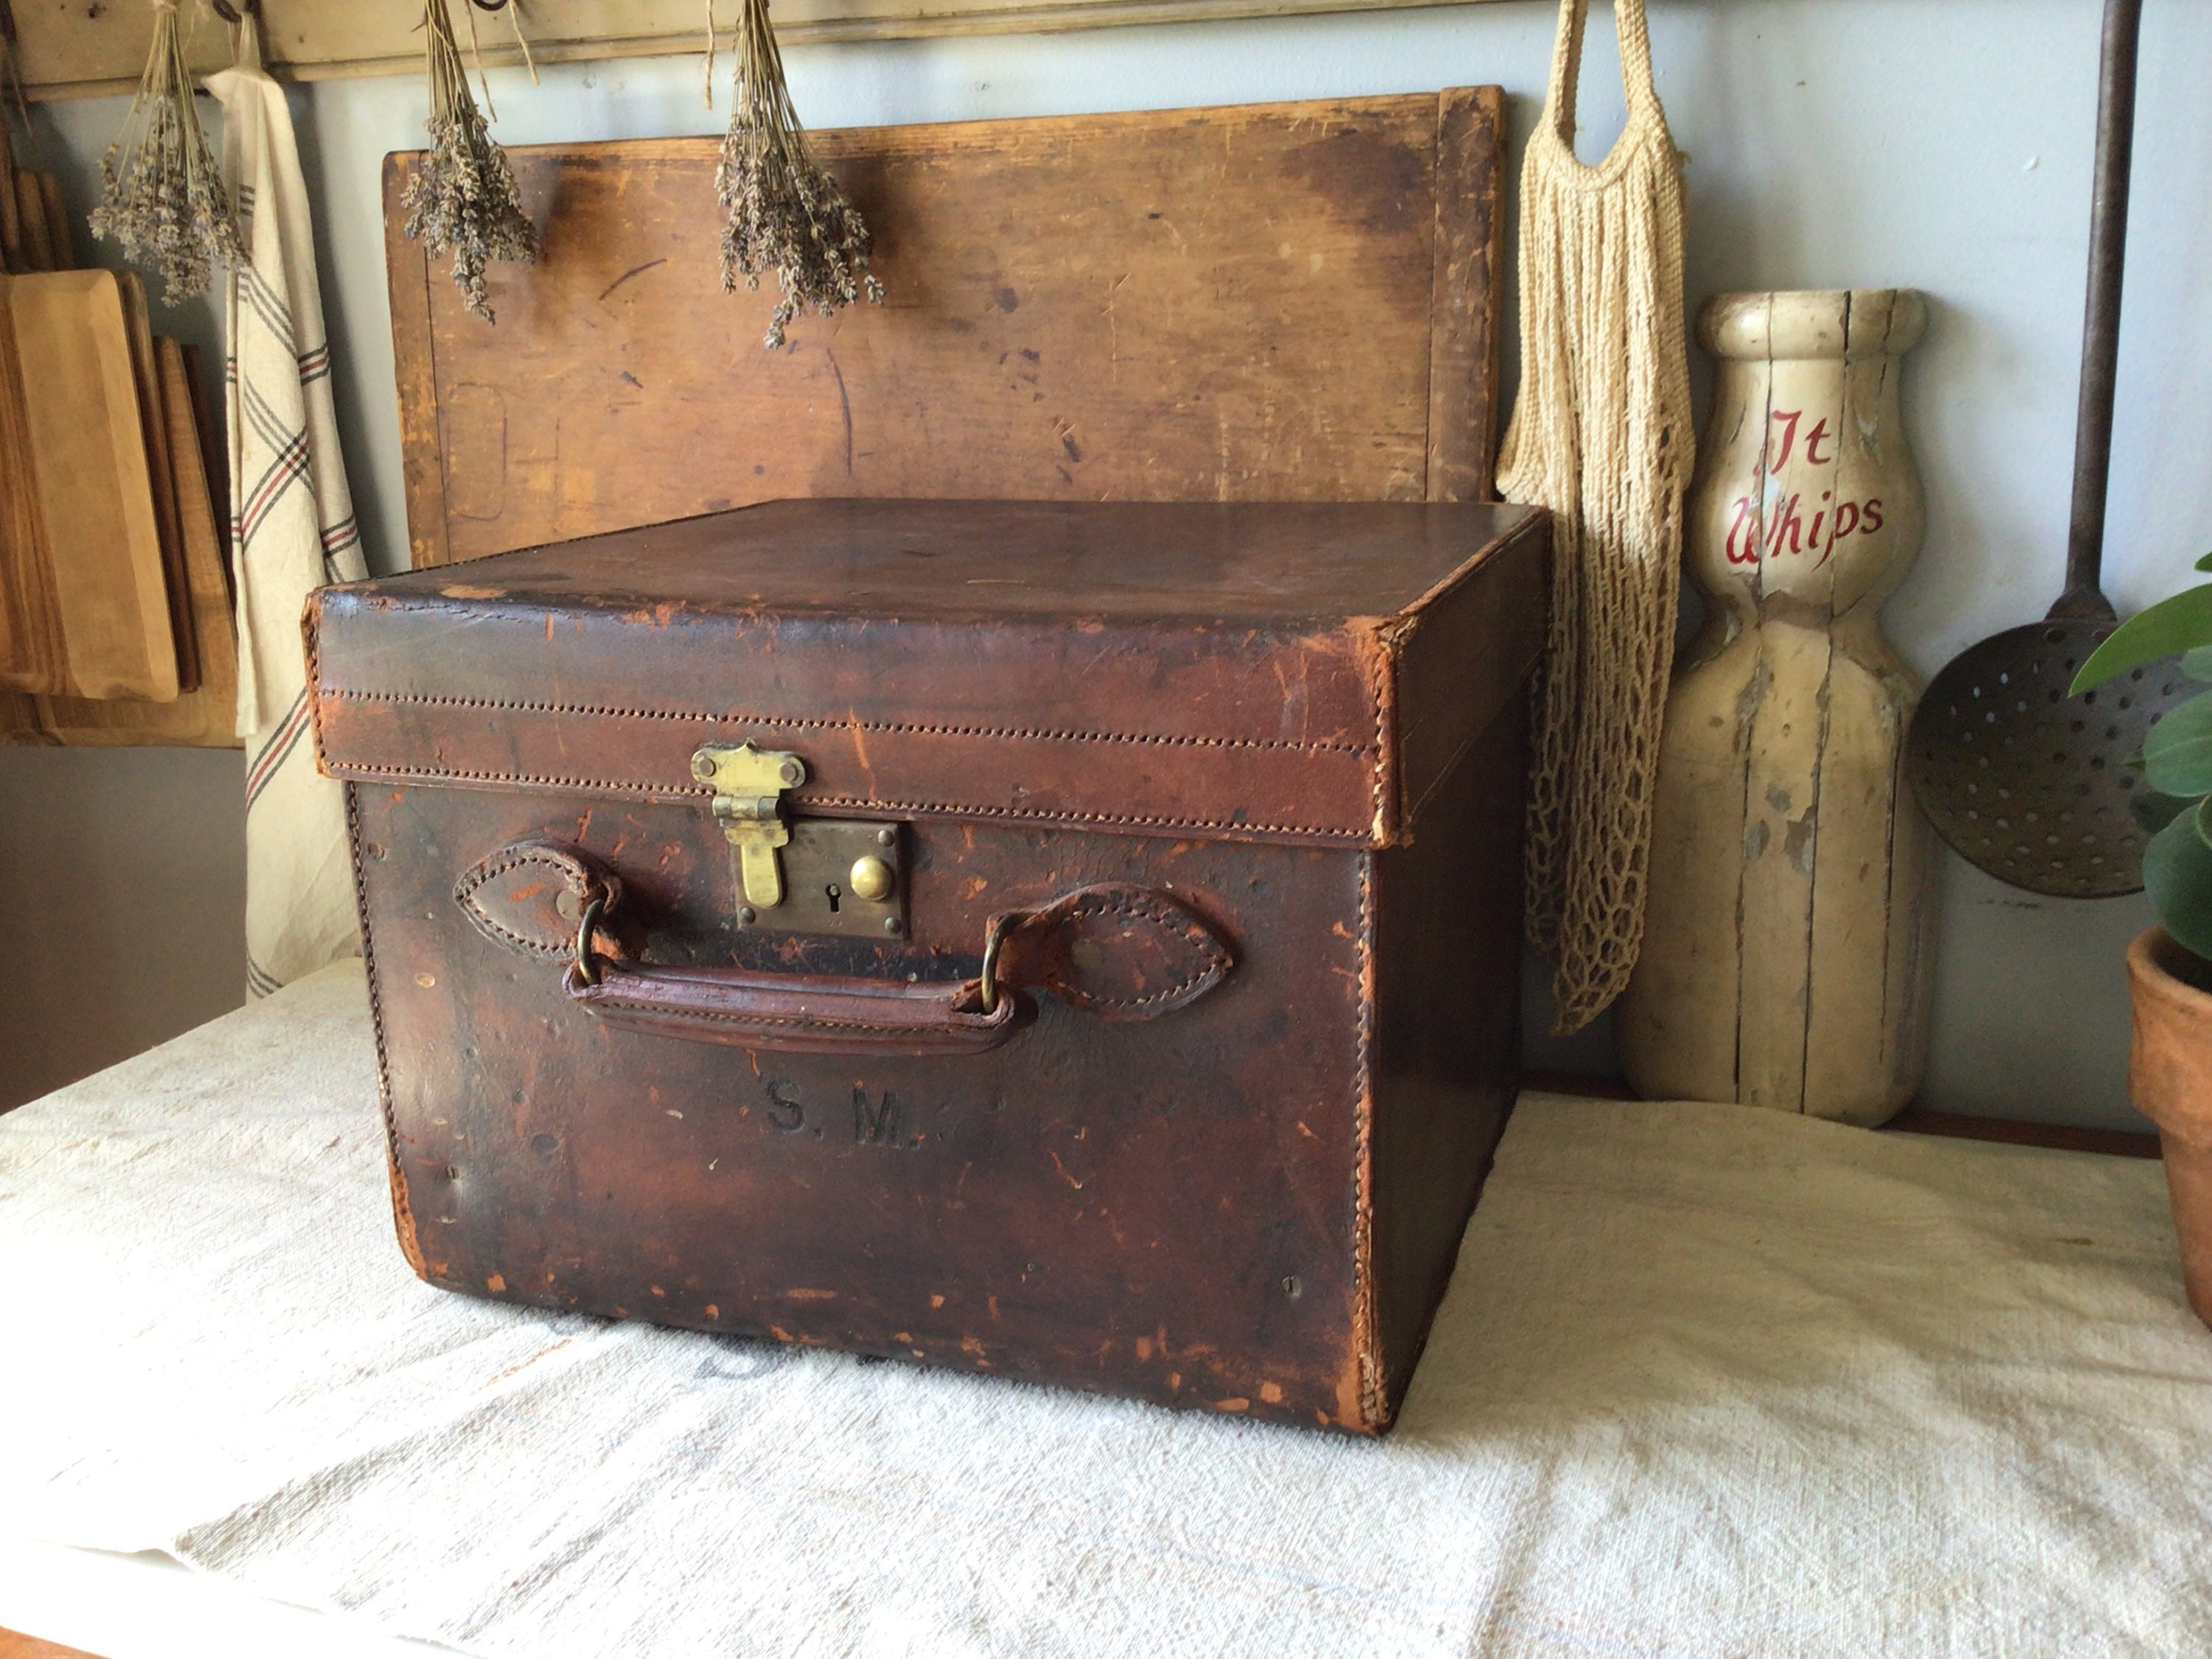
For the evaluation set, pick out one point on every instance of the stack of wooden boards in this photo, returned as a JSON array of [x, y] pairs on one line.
[[115, 610]]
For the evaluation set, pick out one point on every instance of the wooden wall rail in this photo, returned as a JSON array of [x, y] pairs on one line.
[[74, 48]]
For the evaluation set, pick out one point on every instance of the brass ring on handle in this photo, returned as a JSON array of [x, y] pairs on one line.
[[590, 920], [987, 985]]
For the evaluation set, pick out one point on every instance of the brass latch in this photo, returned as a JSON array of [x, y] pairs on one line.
[[749, 785]]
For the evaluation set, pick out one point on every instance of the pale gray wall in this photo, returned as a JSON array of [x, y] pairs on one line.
[[122, 905], [1940, 143]]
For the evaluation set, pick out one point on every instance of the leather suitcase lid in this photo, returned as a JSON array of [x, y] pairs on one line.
[[1235, 670]]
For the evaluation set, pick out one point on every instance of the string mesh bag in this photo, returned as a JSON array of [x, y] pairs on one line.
[[1601, 435]]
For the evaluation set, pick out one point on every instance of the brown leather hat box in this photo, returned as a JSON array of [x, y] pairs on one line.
[[1074, 941]]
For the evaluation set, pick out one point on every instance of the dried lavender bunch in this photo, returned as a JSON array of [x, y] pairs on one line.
[[161, 199], [786, 214], [463, 198]]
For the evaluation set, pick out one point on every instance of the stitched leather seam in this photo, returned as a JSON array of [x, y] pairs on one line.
[[550, 952], [1087, 1000], [656, 792], [466, 895], [1009, 733], [1373, 1409], [403, 1211], [1212, 964], [310, 627], [664, 1011], [1375, 690]]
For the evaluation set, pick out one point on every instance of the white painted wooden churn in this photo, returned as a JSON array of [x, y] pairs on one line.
[[1788, 949]]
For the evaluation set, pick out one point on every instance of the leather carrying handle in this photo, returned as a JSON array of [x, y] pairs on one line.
[[797, 1014], [1114, 951]]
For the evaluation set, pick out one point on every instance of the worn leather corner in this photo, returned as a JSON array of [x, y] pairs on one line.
[[403, 1219]]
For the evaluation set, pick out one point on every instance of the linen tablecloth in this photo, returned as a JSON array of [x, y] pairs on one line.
[[1709, 1381]]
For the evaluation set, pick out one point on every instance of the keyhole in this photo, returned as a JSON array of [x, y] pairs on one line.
[[835, 893]]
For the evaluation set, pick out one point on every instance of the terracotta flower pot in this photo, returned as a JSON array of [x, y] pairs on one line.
[[2170, 1076]]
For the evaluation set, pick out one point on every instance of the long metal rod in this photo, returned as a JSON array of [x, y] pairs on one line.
[[2100, 334]]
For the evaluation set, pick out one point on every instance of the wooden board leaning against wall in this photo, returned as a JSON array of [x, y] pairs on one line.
[[1291, 301]]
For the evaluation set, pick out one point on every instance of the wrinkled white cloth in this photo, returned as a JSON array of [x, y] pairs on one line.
[[1711, 1380], [292, 530]]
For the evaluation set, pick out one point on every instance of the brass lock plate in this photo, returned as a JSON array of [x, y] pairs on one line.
[[839, 877]]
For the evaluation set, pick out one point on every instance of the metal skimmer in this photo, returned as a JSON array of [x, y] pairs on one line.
[[2022, 780]]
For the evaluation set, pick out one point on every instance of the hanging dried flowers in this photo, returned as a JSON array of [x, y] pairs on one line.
[[787, 214], [161, 200], [463, 198]]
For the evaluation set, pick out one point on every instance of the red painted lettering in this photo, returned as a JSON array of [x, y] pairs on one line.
[[1745, 525], [1871, 516], [1788, 418], [1787, 523], [1813, 440]]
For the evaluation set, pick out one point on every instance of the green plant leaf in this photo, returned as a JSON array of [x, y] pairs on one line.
[[2178, 753], [2197, 663], [2177, 870], [2172, 626], [2202, 815], [2205, 563], [2153, 812]]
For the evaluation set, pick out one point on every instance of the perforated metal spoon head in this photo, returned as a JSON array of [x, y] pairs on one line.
[[2028, 783], [2023, 781]]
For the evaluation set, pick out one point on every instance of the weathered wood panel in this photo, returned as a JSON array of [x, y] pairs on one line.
[[1272, 303]]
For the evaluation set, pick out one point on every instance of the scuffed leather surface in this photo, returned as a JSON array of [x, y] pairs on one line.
[[1102, 1204]]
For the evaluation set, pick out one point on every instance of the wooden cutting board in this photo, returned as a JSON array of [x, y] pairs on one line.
[[61, 235], [1285, 302], [11, 220], [33, 656], [205, 718], [31, 210], [153, 421], [101, 541]]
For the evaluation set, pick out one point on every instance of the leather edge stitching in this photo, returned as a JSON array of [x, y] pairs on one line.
[[895, 727], [1374, 1407], [658, 1011], [657, 791], [1215, 959], [403, 1211]]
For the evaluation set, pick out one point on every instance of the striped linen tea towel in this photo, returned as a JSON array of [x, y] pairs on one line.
[[292, 530]]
